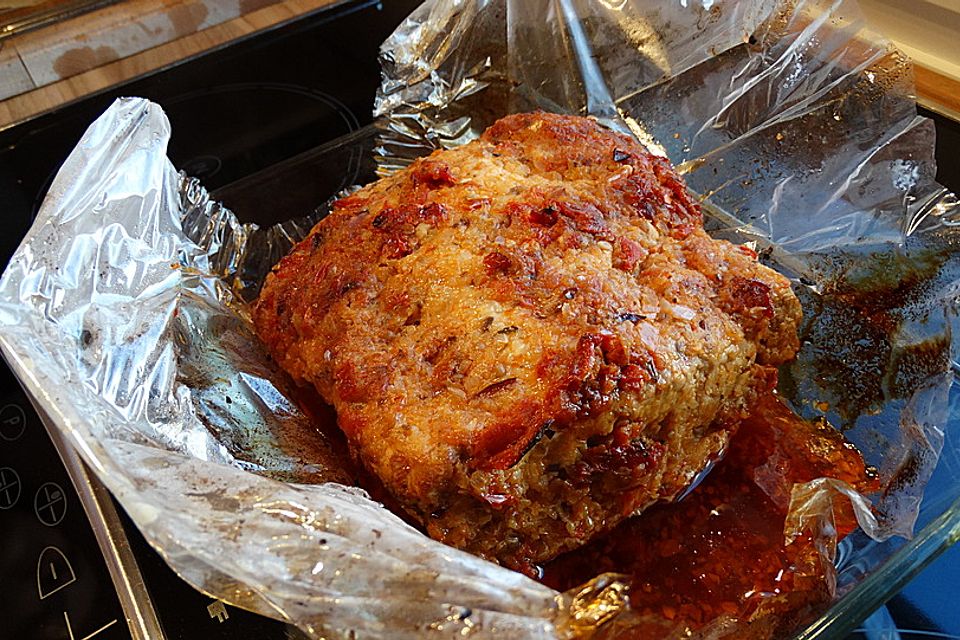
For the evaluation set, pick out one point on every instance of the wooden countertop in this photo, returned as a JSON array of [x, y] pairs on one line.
[[57, 64], [60, 63]]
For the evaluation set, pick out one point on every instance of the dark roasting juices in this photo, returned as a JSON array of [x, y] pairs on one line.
[[720, 553]]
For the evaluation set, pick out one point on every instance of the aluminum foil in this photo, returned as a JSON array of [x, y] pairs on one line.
[[123, 310]]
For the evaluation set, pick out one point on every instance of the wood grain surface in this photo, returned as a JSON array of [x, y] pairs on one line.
[[938, 92], [56, 65]]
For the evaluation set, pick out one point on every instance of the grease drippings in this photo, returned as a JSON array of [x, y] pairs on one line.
[[720, 553]]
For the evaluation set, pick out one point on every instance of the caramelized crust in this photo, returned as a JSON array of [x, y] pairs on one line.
[[530, 337]]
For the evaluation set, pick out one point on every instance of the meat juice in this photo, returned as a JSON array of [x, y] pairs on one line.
[[719, 554]]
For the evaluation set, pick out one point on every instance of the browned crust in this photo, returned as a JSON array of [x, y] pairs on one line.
[[529, 318]]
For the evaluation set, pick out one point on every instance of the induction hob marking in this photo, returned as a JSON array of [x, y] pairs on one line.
[[13, 422], [54, 572], [66, 619], [50, 504], [218, 611], [9, 487]]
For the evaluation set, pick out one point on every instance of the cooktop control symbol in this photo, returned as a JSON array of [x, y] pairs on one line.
[[71, 636], [217, 610], [53, 572], [13, 422], [9, 487], [50, 504]]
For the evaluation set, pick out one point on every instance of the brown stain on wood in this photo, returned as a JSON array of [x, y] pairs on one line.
[[247, 6], [80, 59], [186, 18]]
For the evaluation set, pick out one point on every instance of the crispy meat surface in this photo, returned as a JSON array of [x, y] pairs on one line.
[[530, 337]]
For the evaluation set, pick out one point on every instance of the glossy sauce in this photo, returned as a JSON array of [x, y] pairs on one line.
[[720, 554]]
